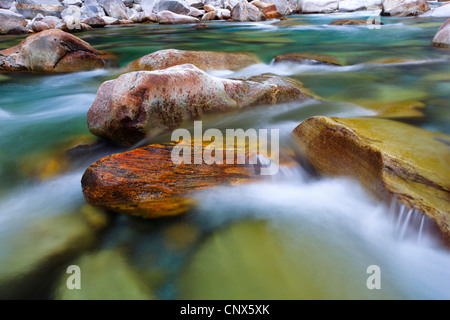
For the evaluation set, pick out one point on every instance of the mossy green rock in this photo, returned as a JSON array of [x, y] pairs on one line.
[[387, 157]]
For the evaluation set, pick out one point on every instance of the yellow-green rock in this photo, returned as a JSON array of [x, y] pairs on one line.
[[387, 157], [105, 275]]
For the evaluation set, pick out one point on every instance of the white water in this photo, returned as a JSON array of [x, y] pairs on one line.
[[339, 213]]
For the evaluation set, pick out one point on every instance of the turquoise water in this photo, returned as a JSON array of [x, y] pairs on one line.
[[41, 116]]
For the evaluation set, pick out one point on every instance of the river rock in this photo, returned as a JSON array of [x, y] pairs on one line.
[[115, 9], [442, 37], [6, 4], [223, 14], [355, 22], [209, 16], [175, 6], [68, 3], [358, 5], [10, 20], [209, 8], [167, 17], [52, 51], [404, 8], [196, 13], [319, 6], [205, 60], [244, 11], [440, 12], [106, 275], [43, 243], [146, 182], [307, 57], [264, 7], [285, 7], [139, 104], [387, 157], [91, 11], [30, 8]]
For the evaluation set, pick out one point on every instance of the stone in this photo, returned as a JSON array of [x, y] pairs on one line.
[[264, 7], [223, 14], [68, 3], [209, 16], [27, 255], [139, 104], [6, 4], [285, 7], [90, 11], [244, 11], [442, 37], [10, 20], [115, 9], [95, 22], [175, 6], [389, 158], [53, 51], [442, 11], [106, 275], [273, 15], [358, 5], [307, 57], [167, 17], [403, 8], [194, 12], [355, 22], [205, 60], [319, 6], [30, 8], [146, 182], [110, 21], [209, 8]]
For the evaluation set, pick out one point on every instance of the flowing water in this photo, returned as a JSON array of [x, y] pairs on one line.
[[294, 236]]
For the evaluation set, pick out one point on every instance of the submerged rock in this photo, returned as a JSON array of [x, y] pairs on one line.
[[205, 60], [106, 275], [354, 22], [387, 157], [146, 182], [41, 245], [244, 11], [404, 8], [10, 21], [442, 37], [307, 57], [53, 51], [139, 104]]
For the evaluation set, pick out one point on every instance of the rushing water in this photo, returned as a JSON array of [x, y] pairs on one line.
[[291, 237]]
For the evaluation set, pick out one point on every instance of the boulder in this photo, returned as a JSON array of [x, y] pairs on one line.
[[167, 17], [357, 5], [106, 275], [403, 8], [52, 51], [306, 57], [146, 182], [30, 8], [175, 6], [110, 21], [285, 7], [273, 15], [223, 14], [10, 20], [244, 11], [442, 37], [95, 22], [115, 9], [440, 12], [68, 3], [42, 244], [90, 11], [319, 6], [209, 8], [194, 12], [209, 16], [389, 158], [205, 60], [6, 4], [264, 7], [139, 104]]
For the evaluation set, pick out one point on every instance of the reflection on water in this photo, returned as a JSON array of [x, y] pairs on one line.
[[292, 237]]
